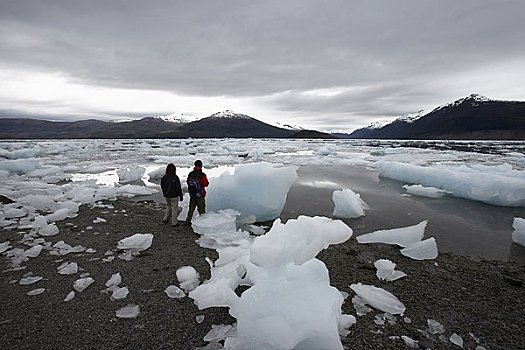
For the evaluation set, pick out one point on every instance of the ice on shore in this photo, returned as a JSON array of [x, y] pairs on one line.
[[120, 293], [435, 327], [49, 230], [518, 235], [287, 286], [188, 278], [34, 251], [29, 280], [173, 292], [128, 311], [130, 173], [136, 243], [258, 189], [456, 340], [82, 283], [386, 270], [68, 268], [431, 192], [423, 250], [379, 298], [215, 223], [36, 291], [348, 204], [4, 246], [403, 236], [69, 296], [114, 280]]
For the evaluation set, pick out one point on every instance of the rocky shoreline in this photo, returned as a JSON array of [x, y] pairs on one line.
[[482, 301]]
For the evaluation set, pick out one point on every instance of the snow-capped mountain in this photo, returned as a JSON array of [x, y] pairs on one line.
[[179, 118], [229, 114], [472, 117]]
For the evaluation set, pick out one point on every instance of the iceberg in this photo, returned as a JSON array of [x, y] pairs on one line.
[[403, 236], [348, 204], [258, 189]]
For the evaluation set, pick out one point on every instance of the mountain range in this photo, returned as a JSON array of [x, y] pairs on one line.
[[474, 117]]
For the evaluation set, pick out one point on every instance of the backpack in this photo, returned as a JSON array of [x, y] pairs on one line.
[[194, 187]]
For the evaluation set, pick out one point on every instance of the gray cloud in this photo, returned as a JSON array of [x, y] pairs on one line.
[[398, 55]]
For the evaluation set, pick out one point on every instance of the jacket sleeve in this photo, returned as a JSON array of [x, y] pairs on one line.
[[204, 180], [179, 189]]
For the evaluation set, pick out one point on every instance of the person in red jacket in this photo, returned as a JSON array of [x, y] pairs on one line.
[[197, 183]]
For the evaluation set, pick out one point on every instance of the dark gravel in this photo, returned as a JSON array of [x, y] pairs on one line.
[[485, 298]]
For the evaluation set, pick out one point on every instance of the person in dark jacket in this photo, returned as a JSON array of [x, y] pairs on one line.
[[197, 182], [172, 192]]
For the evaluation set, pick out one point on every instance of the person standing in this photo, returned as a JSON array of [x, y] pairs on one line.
[[197, 183], [172, 192]]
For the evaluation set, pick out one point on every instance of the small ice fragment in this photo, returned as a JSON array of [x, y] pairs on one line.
[[403, 236], [434, 327], [360, 306], [34, 251], [29, 280], [68, 268], [431, 192], [385, 270], [82, 283], [36, 291], [49, 230], [199, 318], [379, 298], [4, 246], [128, 311], [345, 322], [174, 292], [114, 280], [136, 242], [479, 347], [424, 250], [407, 319], [188, 278], [120, 293], [99, 220], [518, 235], [348, 204], [218, 333], [409, 342], [90, 250], [456, 340], [84, 274], [70, 296]]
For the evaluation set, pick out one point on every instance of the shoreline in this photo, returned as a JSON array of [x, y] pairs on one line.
[[483, 297]]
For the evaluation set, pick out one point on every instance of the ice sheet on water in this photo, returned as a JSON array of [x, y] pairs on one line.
[[424, 250], [403, 236], [386, 270], [128, 311], [518, 235], [490, 188], [379, 298], [137, 242], [297, 241], [82, 283], [258, 189], [431, 192], [348, 204], [130, 173]]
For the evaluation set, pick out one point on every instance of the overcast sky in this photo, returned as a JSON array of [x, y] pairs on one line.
[[325, 64]]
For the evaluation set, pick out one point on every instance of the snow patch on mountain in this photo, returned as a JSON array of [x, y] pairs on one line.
[[179, 118], [229, 114], [473, 99]]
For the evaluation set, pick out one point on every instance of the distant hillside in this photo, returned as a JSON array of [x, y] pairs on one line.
[[474, 117], [312, 134], [219, 125]]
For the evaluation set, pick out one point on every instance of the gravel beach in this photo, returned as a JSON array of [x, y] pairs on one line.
[[480, 300]]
